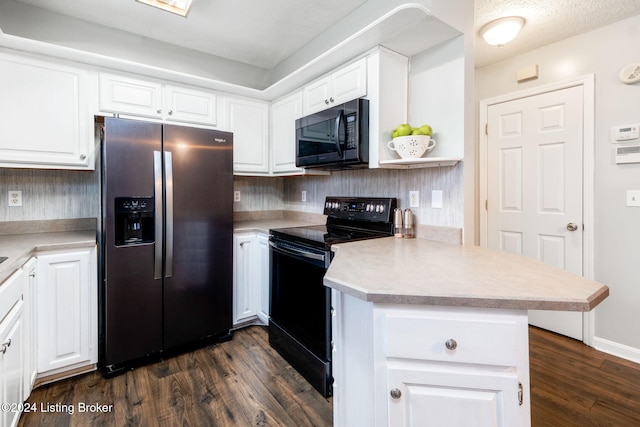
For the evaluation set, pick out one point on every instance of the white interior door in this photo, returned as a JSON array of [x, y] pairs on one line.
[[535, 188]]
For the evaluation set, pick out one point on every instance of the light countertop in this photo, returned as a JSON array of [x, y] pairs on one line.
[[20, 247], [425, 272], [264, 225]]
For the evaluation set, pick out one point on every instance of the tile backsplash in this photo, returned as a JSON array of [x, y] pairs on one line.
[[267, 193], [50, 194], [58, 194]]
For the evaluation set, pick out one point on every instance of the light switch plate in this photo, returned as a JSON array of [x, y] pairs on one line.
[[236, 196], [436, 199], [633, 197]]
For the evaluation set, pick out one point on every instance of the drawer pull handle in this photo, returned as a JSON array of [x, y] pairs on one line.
[[395, 393], [451, 344], [5, 345]]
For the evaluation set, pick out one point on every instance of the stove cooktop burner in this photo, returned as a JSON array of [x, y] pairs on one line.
[[348, 219]]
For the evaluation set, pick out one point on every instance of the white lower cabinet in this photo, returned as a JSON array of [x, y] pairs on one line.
[[30, 326], [410, 365], [263, 277], [250, 278], [11, 349], [67, 311]]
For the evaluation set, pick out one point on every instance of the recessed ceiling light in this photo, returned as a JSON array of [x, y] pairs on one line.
[[179, 7], [502, 31]]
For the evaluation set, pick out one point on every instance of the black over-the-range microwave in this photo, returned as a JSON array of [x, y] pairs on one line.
[[335, 138]]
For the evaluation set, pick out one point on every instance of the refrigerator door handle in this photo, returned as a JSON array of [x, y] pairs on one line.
[[157, 176], [168, 167]]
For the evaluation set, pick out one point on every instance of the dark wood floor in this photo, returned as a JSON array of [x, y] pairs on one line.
[[244, 382]]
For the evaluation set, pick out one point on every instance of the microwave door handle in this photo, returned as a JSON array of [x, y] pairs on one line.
[[338, 142]]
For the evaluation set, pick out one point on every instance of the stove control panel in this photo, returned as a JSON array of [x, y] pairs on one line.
[[360, 208]]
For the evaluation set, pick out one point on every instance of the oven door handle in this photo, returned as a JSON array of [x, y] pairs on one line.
[[297, 252]]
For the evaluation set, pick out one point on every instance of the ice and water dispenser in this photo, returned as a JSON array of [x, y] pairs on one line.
[[134, 220]]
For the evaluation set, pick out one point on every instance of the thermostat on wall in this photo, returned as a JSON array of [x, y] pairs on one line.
[[628, 154], [625, 133]]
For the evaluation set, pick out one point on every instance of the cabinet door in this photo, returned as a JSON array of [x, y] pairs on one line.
[[263, 270], [350, 82], [30, 326], [119, 94], [190, 106], [246, 295], [65, 308], [44, 115], [423, 395], [283, 133], [11, 364], [248, 120], [316, 96]]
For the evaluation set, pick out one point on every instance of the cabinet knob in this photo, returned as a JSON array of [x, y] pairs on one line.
[[326, 101], [159, 111], [451, 344], [83, 156], [395, 393], [170, 112], [331, 99]]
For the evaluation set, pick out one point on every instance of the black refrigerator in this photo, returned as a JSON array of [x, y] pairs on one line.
[[167, 230]]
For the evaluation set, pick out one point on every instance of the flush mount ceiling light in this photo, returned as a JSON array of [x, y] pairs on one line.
[[502, 31], [179, 7]]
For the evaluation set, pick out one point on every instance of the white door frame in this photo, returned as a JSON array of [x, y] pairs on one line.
[[588, 168]]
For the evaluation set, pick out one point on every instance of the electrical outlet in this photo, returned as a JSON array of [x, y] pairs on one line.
[[236, 196], [15, 198], [414, 199], [304, 196]]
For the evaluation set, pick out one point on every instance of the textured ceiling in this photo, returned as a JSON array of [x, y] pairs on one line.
[[255, 32], [547, 21], [263, 33]]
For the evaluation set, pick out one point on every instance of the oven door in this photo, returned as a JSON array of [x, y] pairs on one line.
[[300, 323]]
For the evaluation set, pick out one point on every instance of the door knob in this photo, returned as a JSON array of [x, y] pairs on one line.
[[572, 226], [395, 393]]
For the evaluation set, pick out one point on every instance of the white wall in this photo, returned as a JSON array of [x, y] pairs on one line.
[[602, 52]]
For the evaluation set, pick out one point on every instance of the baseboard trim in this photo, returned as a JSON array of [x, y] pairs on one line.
[[617, 349]]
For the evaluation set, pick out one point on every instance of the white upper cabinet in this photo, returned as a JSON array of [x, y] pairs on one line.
[[146, 98], [183, 104], [119, 94], [248, 119], [347, 83], [45, 116], [283, 133]]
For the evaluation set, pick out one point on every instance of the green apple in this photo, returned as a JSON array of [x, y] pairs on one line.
[[416, 131], [426, 130], [394, 134], [404, 129]]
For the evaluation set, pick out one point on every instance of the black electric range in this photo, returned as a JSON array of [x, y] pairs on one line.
[[300, 316], [348, 219]]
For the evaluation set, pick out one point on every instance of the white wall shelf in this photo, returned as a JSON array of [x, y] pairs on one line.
[[421, 162]]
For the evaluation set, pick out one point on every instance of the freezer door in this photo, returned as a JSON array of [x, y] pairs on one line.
[[199, 215], [131, 309]]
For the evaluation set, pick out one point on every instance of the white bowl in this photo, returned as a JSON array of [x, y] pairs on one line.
[[412, 146]]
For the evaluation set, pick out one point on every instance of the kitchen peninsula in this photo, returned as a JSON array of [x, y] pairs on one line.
[[430, 333]]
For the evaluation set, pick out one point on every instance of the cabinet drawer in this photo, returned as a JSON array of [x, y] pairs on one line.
[[479, 341], [10, 293]]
